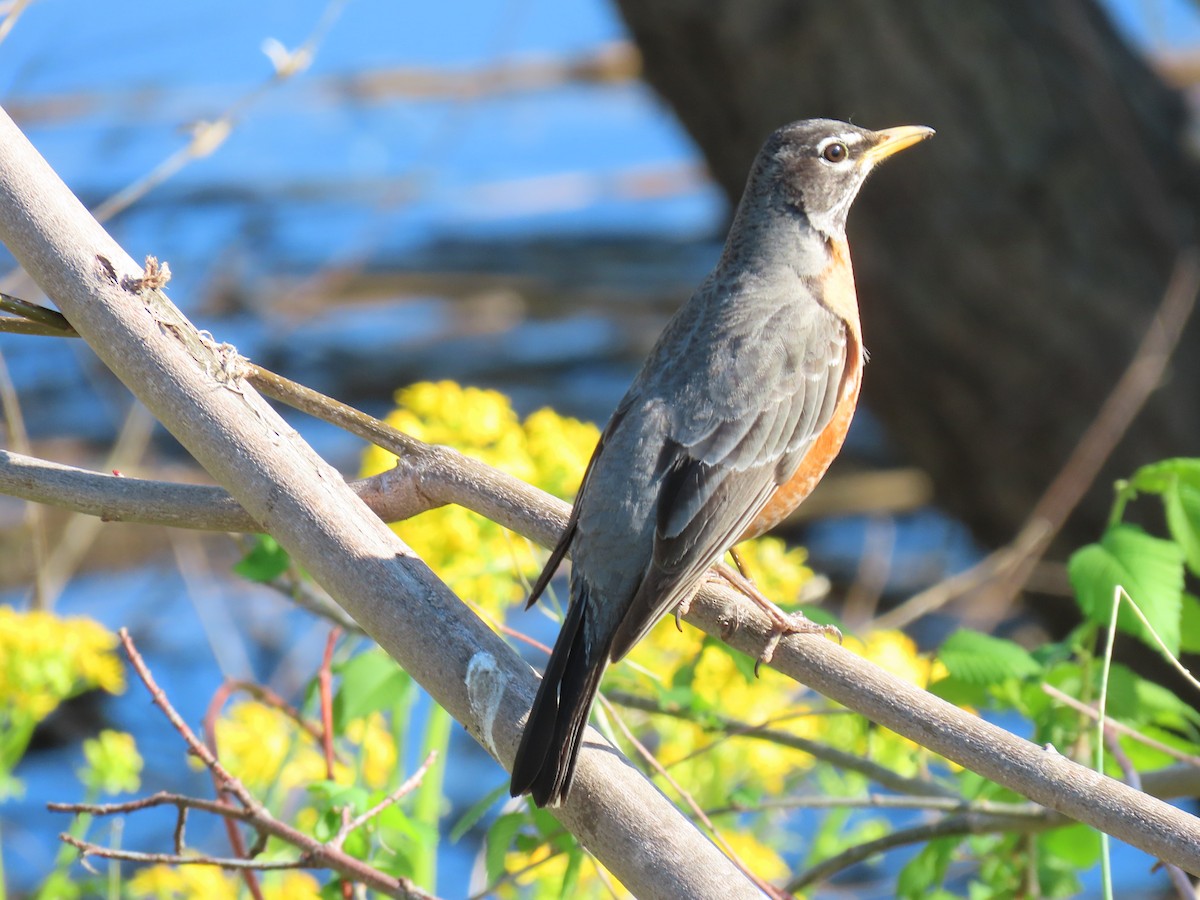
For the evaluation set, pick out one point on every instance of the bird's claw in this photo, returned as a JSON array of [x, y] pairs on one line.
[[683, 607], [784, 624]]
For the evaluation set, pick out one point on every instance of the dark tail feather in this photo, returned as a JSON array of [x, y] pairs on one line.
[[557, 555], [545, 762]]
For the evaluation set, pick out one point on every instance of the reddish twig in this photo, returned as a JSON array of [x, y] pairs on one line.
[[325, 692], [268, 697], [236, 842], [162, 798], [325, 689], [195, 745]]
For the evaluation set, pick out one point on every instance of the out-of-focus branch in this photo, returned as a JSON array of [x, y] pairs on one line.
[[958, 825]]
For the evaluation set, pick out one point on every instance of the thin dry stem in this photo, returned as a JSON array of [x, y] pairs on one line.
[[409, 785]]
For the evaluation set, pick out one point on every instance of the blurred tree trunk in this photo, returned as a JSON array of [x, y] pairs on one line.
[[1008, 268]]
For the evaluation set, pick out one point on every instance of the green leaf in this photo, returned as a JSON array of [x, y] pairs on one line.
[[1138, 701], [959, 692], [499, 842], [975, 658], [743, 663], [369, 682], [1076, 844], [1148, 568], [114, 765], [1144, 758], [1189, 624], [471, 817], [927, 869], [265, 562], [1159, 477], [327, 795], [1182, 506], [571, 877]]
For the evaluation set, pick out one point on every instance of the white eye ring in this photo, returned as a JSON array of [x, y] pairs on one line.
[[834, 152]]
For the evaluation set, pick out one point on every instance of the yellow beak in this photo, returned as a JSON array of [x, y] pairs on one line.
[[893, 140]]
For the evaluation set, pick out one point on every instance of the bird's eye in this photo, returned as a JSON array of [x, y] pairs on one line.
[[835, 152]]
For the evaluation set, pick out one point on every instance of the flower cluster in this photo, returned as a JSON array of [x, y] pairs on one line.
[[481, 561], [46, 659]]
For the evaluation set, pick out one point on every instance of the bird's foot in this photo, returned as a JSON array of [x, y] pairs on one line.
[[782, 623], [792, 623]]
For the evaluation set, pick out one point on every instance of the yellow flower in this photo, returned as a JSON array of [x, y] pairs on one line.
[[560, 448], [45, 659], [293, 886], [162, 882], [546, 870], [757, 856], [155, 881], [379, 756], [896, 652], [264, 747], [482, 562], [778, 572], [114, 765]]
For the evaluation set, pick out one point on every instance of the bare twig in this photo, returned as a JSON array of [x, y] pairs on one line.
[[162, 798], [887, 801], [410, 784], [195, 745], [224, 788], [268, 697], [54, 322], [18, 437], [209, 135], [86, 849], [81, 531], [325, 691], [688, 799], [11, 16]]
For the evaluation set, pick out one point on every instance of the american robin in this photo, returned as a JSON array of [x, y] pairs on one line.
[[735, 416]]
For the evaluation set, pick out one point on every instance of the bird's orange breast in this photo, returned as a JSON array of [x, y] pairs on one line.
[[839, 297], [814, 464]]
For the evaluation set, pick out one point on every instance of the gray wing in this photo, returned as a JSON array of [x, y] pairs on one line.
[[771, 381]]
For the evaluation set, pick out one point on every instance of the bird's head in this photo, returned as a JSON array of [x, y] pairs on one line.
[[818, 165]]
